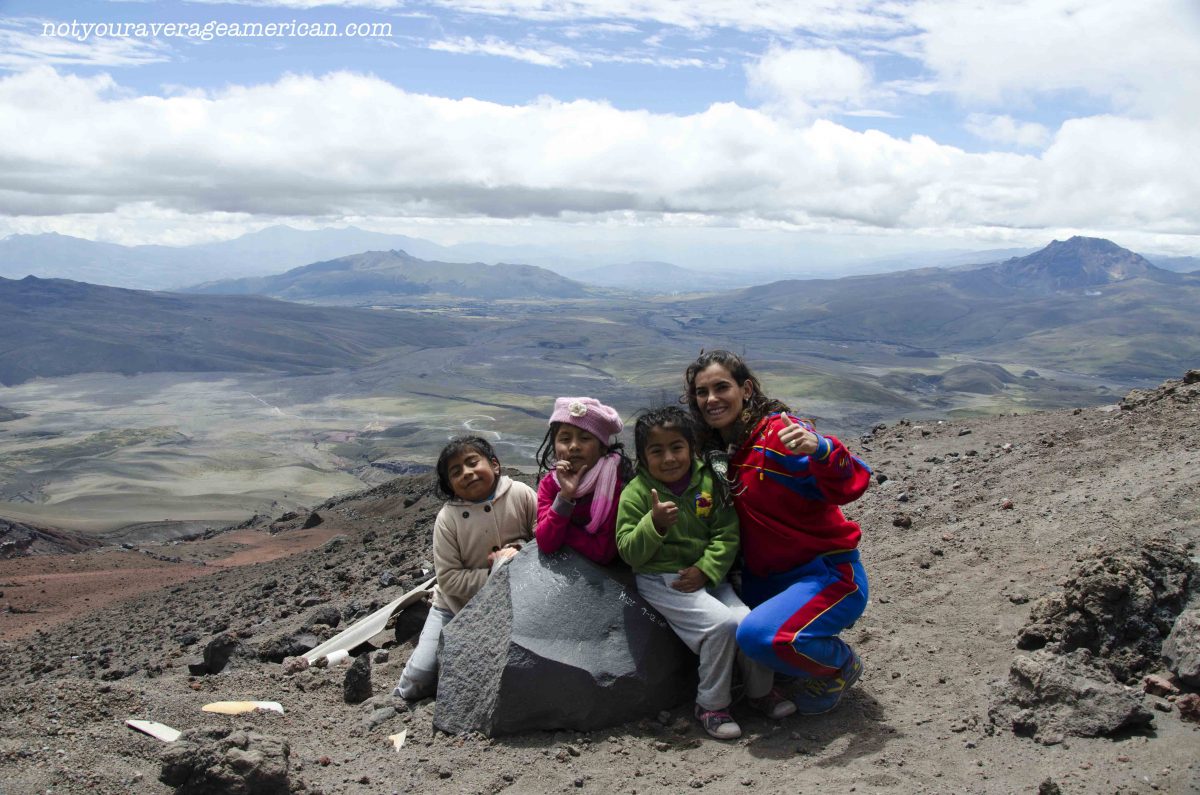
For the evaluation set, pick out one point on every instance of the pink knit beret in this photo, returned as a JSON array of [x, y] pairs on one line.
[[591, 415]]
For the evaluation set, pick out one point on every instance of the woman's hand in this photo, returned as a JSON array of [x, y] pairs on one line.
[[690, 579], [568, 480], [500, 554], [798, 439]]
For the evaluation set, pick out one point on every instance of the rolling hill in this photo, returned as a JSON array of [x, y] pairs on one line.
[[378, 276], [55, 327]]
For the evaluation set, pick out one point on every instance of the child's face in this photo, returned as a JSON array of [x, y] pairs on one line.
[[472, 476], [719, 397], [577, 447], [668, 455]]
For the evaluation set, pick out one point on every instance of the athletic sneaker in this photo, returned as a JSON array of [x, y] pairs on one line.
[[718, 723], [774, 705], [818, 696]]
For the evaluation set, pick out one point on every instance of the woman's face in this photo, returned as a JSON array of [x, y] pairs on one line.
[[719, 397], [577, 447]]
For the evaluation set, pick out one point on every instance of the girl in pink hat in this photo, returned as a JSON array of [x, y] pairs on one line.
[[587, 468]]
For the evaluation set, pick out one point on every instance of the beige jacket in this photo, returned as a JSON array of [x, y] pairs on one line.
[[465, 533]]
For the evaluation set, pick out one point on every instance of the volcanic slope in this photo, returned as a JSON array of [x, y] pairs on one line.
[[976, 521]]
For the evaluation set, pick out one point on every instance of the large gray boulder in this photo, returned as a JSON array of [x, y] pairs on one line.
[[1182, 649], [1051, 697], [554, 641]]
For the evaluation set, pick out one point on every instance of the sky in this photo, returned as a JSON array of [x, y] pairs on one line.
[[704, 132]]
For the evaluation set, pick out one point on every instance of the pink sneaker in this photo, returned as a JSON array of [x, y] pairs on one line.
[[718, 723]]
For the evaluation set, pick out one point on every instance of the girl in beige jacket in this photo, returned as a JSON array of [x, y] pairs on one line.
[[483, 523]]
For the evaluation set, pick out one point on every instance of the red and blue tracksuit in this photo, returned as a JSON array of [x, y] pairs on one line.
[[802, 575]]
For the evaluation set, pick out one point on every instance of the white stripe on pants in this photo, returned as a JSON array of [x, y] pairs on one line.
[[706, 621]]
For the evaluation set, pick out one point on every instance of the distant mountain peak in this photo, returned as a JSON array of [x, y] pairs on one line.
[[1076, 263]]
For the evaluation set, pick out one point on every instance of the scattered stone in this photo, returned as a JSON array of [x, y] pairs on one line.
[[965, 432], [328, 615], [1160, 705], [209, 761], [313, 520], [381, 657], [1051, 697], [902, 520], [379, 716], [1049, 787], [387, 579], [558, 618], [1159, 686], [292, 644], [1119, 605], [881, 478], [410, 621], [1007, 505], [294, 665], [357, 686], [219, 651], [1182, 647], [1189, 707]]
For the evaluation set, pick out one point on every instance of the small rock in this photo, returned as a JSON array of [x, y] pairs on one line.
[[1018, 598], [903, 520], [313, 520], [379, 716], [965, 432], [381, 657], [357, 686], [664, 718], [695, 783], [294, 665], [1189, 707], [1049, 787], [1159, 686], [881, 478], [659, 745], [387, 579], [1160, 705], [1007, 505]]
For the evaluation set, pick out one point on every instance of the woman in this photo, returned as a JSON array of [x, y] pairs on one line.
[[802, 576]]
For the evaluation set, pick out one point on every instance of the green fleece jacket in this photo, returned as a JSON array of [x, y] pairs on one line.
[[704, 535]]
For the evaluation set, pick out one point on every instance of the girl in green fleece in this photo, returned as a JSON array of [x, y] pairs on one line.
[[681, 541]]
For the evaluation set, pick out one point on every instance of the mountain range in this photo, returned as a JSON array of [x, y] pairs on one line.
[[56, 327], [1083, 305], [382, 276]]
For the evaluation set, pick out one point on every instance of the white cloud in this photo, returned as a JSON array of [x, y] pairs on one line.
[[1006, 130], [1142, 56], [348, 145], [24, 44], [543, 54], [807, 82]]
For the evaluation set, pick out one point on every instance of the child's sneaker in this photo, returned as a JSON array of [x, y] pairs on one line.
[[775, 705], [718, 723], [818, 696]]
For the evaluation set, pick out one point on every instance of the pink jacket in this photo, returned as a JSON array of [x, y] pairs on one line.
[[558, 524]]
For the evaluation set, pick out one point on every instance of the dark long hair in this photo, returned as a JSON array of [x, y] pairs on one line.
[[757, 406], [456, 446], [669, 417], [545, 455]]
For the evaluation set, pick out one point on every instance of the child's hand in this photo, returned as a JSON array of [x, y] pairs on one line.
[[568, 481], [798, 439], [663, 514], [501, 554], [690, 579]]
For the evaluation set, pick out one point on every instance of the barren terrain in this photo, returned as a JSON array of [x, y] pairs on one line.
[[977, 519]]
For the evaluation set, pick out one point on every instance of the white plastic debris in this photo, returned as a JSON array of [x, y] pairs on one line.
[[398, 739], [159, 731], [241, 707]]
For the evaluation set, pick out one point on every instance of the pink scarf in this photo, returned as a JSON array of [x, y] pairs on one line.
[[601, 482]]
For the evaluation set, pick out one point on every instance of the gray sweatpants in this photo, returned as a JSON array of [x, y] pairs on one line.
[[419, 678], [706, 621]]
